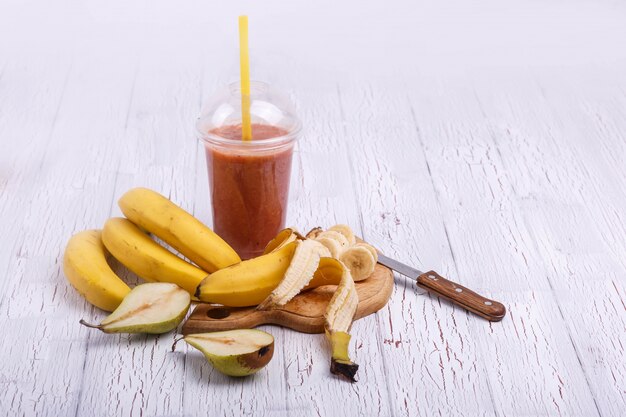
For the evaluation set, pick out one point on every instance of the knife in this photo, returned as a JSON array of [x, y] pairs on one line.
[[458, 294]]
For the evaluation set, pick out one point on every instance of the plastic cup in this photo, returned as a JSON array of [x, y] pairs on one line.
[[249, 180]]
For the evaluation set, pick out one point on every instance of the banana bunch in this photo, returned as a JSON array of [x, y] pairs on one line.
[[146, 258], [86, 268], [179, 229], [85, 263]]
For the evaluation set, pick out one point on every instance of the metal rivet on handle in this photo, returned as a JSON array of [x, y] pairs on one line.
[[488, 303], [431, 276], [458, 289]]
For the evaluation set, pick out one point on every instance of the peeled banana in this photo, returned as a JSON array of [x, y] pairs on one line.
[[305, 261], [86, 268], [158, 215], [249, 282], [146, 258]]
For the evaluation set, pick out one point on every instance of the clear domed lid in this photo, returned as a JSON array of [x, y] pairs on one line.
[[267, 107]]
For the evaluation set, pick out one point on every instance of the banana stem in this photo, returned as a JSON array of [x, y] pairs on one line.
[[346, 369], [340, 363], [93, 326]]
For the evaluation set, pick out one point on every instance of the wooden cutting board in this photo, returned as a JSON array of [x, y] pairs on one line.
[[305, 313]]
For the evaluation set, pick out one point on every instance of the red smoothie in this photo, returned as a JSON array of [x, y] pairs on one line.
[[249, 188]]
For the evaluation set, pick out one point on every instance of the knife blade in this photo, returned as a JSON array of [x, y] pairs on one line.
[[397, 266], [489, 309]]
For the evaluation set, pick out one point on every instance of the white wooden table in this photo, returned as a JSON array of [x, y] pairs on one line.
[[486, 140]]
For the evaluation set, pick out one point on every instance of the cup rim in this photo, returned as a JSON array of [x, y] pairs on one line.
[[256, 87], [211, 138]]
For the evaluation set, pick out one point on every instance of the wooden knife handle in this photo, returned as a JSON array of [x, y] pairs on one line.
[[459, 295]]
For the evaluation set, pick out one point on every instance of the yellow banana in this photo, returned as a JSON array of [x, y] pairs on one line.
[[86, 268], [249, 282], [158, 215], [146, 258]]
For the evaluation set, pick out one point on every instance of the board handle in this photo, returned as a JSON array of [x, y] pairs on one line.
[[461, 296]]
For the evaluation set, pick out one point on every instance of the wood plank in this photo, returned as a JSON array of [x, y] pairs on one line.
[[156, 150], [17, 189], [573, 209], [470, 191], [512, 185], [324, 195], [431, 356], [68, 187], [567, 391]]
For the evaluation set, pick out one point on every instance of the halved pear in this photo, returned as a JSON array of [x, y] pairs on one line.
[[155, 307], [239, 352]]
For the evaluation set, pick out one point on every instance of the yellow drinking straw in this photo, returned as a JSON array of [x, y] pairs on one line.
[[244, 63]]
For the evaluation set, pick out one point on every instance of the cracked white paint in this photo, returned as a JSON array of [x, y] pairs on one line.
[[451, 136]]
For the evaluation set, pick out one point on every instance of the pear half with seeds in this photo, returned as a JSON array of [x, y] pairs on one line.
[[239, 352], [156, 307]]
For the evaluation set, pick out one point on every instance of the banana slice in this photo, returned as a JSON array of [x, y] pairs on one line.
[[345, 230], [341, 239], [312, 234], [300, 271], [338, 316], [321, 249], [360, 261], [370, 248], [332, 245]]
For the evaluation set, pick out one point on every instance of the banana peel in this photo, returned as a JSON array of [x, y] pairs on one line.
[[338, 317]]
